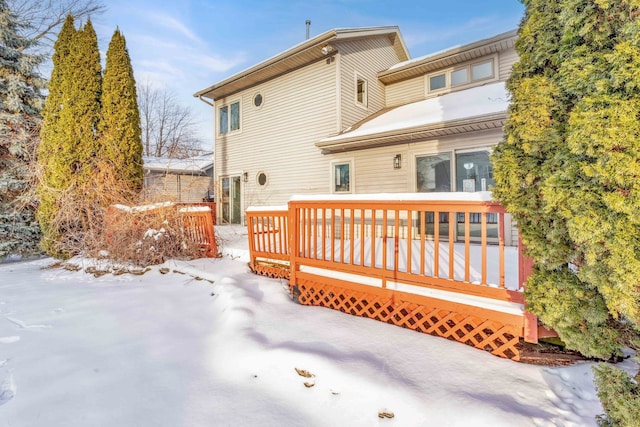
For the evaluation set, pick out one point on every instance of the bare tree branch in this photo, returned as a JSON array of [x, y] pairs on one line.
[[168, 128], [46, 16]]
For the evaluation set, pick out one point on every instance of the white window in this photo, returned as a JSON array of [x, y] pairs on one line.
[[473, 171], [433, 173], [481, 71], [437, 82], [342, 182], [361, 91], [229, 118], [461, 76]]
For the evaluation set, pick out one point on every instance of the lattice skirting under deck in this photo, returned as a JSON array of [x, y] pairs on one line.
[[473, 326], [272, 270]]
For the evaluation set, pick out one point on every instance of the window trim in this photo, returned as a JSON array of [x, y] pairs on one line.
[[448, 87], [266, 183], [253, 100], [333, 165], [365, 101], [218, 117]]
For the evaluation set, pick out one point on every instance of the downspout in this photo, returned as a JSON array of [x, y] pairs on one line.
[[213, 183], [205, 101]]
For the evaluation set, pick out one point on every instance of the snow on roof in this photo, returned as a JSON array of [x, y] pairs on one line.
[[191, 164], [477, 101], [423, 57]]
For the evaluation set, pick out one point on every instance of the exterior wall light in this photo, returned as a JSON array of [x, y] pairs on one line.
[[397, 159], [327, 49], [245, 177]]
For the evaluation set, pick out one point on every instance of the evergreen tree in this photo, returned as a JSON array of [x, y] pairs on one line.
[[569, 164], [82, 118], [55, 152], [569, 168], [20, 105], [69, 140], [121, 141]]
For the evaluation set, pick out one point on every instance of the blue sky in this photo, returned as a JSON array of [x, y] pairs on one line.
[[186, 46]]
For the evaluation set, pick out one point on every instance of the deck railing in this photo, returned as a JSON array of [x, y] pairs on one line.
[[197, 220], [407, 241], [269, 240], [446, 251]]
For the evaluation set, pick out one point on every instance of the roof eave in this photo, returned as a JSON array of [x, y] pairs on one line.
[[217, 91], [400, 73], [401, 136]]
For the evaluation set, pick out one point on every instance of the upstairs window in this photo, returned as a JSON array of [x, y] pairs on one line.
[[461, 76], [361, 91], [439, 81], [229, 116], [481, 71]]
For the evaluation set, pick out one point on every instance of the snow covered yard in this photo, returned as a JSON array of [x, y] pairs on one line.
[[210, 344]]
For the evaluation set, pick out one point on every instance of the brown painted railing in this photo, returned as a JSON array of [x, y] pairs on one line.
[[269, 240], [210, 205], [396, 241], [198, 220]]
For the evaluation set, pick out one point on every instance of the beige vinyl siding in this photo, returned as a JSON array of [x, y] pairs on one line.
[[365, 58], [507, 59], [373, 167], [279, 137], [373, 170], [405, 92]]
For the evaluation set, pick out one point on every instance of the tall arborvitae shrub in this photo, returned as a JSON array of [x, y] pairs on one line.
[[85, 91], [69, 135], [20, 105], [569, 171], [55, 151], [120, 135]]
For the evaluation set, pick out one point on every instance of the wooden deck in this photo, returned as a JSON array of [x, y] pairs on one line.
[[436, 266]]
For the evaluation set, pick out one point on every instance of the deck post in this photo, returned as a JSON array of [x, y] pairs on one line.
[[294, 234], [525, 266]]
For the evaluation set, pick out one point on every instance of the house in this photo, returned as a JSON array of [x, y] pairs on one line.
[[182, 180], [348, 112]]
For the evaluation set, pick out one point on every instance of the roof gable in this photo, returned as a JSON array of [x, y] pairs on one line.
[[298, 56]]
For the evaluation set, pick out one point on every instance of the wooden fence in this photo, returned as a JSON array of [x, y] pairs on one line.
[[434, 266]]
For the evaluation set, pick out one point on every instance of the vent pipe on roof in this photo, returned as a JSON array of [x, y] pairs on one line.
[[308, 24]]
